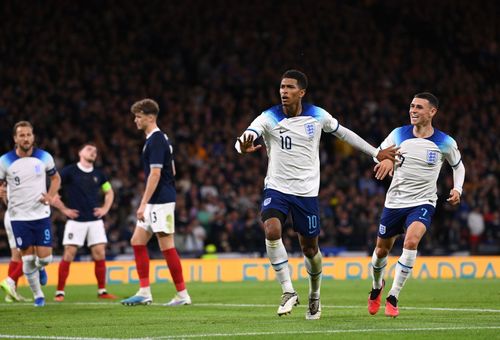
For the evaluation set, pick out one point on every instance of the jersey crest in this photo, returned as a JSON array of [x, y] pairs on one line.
[[382, 229], [309, 130], [432, 157]]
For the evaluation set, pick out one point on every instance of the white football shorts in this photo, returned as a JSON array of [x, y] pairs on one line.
[[75, 233], [159, 218], [8, 230]]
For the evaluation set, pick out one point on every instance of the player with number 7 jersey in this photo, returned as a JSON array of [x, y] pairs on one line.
[[411, 198], [292, 132]]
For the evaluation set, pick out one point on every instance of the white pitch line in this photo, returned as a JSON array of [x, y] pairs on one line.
[[240, 305], [294, 332]]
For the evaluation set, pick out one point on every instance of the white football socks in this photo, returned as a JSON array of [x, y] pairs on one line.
[[403, 270], [314, 268], [144, 291], [43, 261], [32, 274], [279, 260], [377, 270]]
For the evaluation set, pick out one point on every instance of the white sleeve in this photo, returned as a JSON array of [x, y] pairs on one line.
[[256, 129], [329, 124], [458, 177], [3, 171], [388, 141], [454, 158], [352, 138]]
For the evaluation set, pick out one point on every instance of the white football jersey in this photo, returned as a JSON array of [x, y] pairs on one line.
[[417, 170], [26, 179], [293, 147]]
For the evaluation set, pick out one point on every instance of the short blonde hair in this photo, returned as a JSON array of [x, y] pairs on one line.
[[22, 123], [146, 106]]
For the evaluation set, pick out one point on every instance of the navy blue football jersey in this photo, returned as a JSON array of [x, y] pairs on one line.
[[158, 153], [82, 190]]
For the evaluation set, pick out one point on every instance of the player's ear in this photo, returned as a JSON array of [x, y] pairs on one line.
[[302, 93]]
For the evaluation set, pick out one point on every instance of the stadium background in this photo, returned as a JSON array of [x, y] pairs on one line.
[[74, 68]]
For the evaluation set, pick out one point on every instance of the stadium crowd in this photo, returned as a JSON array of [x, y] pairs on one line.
[[74, 69]]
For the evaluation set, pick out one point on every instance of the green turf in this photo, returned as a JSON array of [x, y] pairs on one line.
[[471, 309]]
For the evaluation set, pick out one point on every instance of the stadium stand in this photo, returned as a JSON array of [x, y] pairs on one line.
[[73, 69]]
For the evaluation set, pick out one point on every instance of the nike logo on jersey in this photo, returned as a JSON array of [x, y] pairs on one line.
[[423, 219], [282, 131]]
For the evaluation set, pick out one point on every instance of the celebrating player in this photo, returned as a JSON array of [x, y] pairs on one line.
[[411, 198], [292, 132], [155, 214], [82, 184], [25, 170]]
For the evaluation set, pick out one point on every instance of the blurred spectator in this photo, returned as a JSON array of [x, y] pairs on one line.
[[475, 222]]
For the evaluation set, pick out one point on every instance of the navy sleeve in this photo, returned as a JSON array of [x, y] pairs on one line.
[[65, 175], [158, 151]]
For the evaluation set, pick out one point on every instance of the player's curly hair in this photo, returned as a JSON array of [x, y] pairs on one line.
[[146, 106]]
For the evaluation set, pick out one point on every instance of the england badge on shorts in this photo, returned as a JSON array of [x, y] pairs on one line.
[[309, 130], [381, 229], [432, 157]]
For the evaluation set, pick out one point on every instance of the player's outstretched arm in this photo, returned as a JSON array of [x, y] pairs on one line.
[[388, 153], [245, 143], [359, 143]]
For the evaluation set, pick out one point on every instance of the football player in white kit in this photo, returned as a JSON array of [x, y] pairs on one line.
[[15, 271], [411, 199], [292, 133], [25, 169]]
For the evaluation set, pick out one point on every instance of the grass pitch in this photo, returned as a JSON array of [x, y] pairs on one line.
[[429, 309]]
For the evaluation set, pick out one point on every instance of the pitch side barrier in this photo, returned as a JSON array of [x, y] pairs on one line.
[[257, 269]]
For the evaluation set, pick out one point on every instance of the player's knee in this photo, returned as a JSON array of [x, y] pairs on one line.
[[44, 261], [272, 231], [68, 257], [411, 244], [29, 265], [136, 241], [309, 251], [381, 252]]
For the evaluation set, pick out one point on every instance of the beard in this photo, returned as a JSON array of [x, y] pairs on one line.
[[26, 147]]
